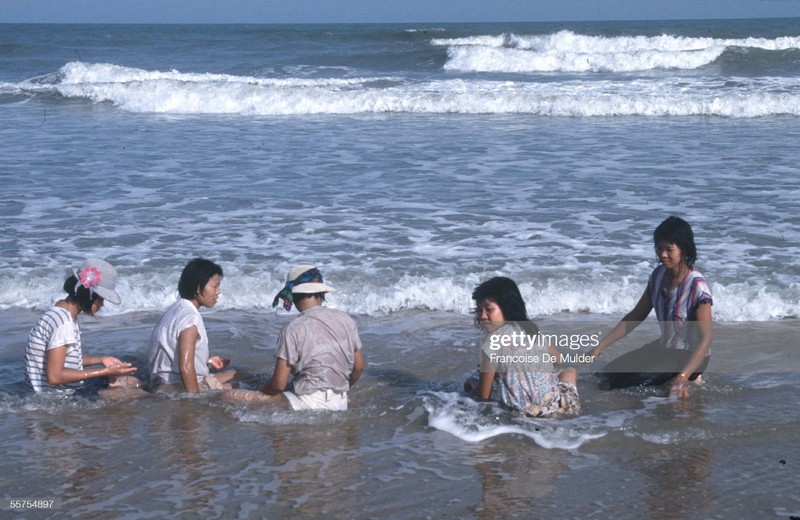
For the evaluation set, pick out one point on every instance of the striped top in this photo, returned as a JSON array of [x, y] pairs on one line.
[[677, 307], [55, 328]]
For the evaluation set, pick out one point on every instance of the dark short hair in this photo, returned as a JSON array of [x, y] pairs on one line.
[[296, 297], [675, 230], [504, 292], [195, 276], [80, 294]]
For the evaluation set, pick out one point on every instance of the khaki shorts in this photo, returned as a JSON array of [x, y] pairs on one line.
[[319, 400], [208, 383]]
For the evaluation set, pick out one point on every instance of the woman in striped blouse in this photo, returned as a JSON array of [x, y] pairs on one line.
[[682, 302]]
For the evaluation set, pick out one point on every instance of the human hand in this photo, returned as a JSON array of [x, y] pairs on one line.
[[121, 369], [218, 363], [678, 387], [109, 361]]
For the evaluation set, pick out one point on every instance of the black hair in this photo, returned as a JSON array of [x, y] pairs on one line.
[[195, 276], [675, 230], [504, 292], [296, 297], [82, 296]]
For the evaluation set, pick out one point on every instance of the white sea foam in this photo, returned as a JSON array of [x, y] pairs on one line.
[[474, 422], [427, 30], [175, 92], [389, 293], [500, 59], [462, 417], [566, 51]]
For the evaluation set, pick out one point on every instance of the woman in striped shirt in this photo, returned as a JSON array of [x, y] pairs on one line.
[[54, 360], [682, 302]]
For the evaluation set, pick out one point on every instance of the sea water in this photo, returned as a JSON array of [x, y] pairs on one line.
[[410, 163]]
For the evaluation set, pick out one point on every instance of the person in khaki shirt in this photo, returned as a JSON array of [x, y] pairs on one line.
[[320, 350]]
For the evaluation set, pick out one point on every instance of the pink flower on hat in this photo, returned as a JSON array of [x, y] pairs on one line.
[[90, 276]]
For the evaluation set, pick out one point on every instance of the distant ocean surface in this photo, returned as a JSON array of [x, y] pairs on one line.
[[409, 162]]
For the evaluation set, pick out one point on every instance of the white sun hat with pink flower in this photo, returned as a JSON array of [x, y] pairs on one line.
[[99, 277]]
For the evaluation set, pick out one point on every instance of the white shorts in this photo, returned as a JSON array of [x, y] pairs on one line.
[[319, 400]]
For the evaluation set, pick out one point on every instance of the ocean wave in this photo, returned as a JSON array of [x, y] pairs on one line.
[[386, 293], [174, 92], [426, 30], [566, 51]]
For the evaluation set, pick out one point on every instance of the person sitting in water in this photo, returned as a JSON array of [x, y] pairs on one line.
[[54, 359], [178, 351], [517, 374], [682, 302], [320, 350]]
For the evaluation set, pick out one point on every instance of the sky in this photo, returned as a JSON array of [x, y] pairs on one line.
[[383, 11]]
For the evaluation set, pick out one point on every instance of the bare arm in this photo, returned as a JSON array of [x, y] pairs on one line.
[[106, 361], [58, 374], [629, 322], [280, 378], [187, 341], [358, 367], [704, 324]]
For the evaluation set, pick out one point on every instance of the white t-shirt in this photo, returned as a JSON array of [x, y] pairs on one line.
[[162, 350], [55, 328]]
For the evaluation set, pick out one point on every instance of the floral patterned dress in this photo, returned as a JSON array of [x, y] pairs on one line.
[[524, 380]]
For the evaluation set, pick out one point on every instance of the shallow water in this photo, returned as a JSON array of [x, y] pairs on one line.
[[411, 446]]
